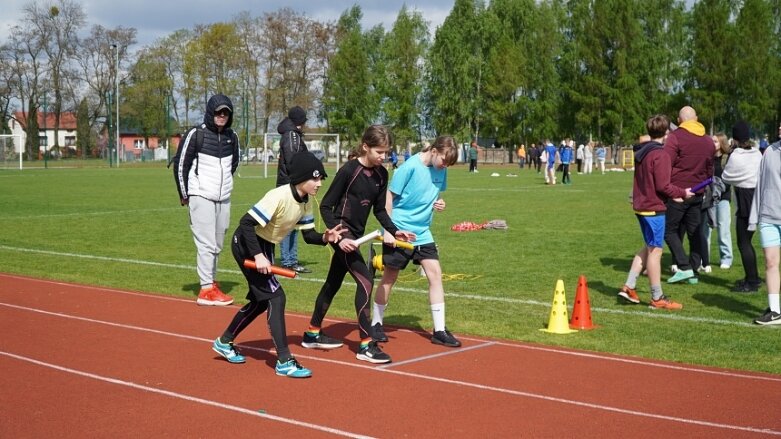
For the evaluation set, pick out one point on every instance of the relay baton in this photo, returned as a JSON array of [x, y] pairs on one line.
[[401, 244], [279, 271], [707, 181], [368, 237]]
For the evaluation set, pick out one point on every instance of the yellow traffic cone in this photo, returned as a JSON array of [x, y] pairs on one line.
[[558, 323]]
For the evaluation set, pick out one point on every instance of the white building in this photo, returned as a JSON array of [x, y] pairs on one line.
[[66, 137]]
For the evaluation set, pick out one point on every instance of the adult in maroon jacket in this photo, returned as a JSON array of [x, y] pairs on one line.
[[691, 156]]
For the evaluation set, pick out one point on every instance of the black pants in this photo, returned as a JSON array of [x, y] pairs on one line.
[[275, 318], [472, 165], [341, 264], [565, 178], [747, 253], [686, 215]]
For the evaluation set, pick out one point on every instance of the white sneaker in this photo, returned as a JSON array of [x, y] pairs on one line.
[[705, 269], [673, 268], [724, 266]]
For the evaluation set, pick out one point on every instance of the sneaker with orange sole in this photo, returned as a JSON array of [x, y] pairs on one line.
[[629, 294], [665, 303], [213, 296]]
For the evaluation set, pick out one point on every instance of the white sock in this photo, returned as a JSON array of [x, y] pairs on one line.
[[378, 313], [773, 301], [438, 315]]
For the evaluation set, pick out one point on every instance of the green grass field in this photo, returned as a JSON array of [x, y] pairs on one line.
[[124, 228]]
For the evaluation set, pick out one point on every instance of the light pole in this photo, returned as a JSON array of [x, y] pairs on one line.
[[116, 96]]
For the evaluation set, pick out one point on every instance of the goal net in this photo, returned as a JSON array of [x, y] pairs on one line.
[[259, 159], [11, 151]]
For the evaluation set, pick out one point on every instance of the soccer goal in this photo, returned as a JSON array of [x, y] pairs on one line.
[[11, 151], [256, 158]]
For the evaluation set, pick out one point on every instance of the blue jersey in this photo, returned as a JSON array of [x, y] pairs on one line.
[[415, 188], [566, 155]]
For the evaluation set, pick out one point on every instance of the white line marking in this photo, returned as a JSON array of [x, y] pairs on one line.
[[519, 345], [113, 212], [184, 397], [648, 314], [433, 378], [440, 354]]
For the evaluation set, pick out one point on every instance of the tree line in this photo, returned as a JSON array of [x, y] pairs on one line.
[[513, 71]]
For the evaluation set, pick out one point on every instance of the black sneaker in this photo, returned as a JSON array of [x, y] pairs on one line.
[[769, 318], [378, 333], [298, 268], [743, 286], [373, 354], [320, 341], [445, 338]]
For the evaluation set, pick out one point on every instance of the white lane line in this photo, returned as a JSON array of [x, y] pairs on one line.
[[592, 355], [456, 295], [437, 355], [189, 398], [437, 379]]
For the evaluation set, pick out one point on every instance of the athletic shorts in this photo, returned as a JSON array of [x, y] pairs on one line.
[[769, 235], [653, 229], [398, 258]]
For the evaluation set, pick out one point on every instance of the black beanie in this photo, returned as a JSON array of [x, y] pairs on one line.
[[304, 166], [297, 115], [740, 131]]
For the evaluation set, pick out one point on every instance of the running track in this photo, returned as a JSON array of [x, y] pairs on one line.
[[82, 361]]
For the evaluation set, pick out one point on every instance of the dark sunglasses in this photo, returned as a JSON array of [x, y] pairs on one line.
[[222, 113]]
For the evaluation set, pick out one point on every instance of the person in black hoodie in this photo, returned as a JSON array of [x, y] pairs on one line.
[[204, 164], [291, 143]]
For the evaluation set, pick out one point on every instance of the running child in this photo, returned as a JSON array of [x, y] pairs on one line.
[[414, 196], [359, 188], [272, 218]]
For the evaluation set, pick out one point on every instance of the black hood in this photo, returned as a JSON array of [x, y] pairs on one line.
[[286, 125], [642, 149], [214, 102]]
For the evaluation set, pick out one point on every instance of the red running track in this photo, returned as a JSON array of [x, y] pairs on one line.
[[80, 361]]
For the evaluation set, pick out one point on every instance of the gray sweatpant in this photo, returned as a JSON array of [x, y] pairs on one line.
[[209, 221]]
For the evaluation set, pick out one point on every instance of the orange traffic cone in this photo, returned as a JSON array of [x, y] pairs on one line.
[[581, 311], [557, 323]]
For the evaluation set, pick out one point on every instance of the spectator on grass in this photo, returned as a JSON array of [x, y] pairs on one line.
[[565, 154], [766, 215], [650, 190], [290, 144], [473, 149], [741, 171], [691, 155], [204, 176], [722, 197], [579, 156], [588, 158], [550, 154], [601, 153], [521, 155]]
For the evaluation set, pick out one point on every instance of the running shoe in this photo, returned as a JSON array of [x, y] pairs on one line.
[[769, 318], [665, 303], [378, 333], [293, 369], [629, 294], [681, 275], [228, 351], [319, 341], [213, 296], [373, 354], [445, 338]]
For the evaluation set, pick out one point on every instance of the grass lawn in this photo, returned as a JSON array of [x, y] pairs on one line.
[[123, 227]]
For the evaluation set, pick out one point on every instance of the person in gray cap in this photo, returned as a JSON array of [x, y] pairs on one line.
[[204, 164], [291, 143]]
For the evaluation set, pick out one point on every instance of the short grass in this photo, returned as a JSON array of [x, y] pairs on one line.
[[123, 227]]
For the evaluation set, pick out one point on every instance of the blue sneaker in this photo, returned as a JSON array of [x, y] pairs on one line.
[[228, 351], [293, 369]]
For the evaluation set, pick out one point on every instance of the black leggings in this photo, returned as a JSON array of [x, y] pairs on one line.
[[275, 318], [747, 253], [341, 264]]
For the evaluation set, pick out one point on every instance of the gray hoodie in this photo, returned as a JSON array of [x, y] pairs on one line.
[[766, 207]]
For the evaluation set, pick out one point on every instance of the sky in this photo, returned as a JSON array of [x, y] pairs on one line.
[[153, 19]]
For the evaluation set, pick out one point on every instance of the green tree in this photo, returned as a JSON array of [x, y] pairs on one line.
[[84, 138], [755, 62], [144, 97], [712, 62], [347, 101], [454, 71]]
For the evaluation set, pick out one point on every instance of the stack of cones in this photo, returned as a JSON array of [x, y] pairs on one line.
[[557, 323], [581, 311]]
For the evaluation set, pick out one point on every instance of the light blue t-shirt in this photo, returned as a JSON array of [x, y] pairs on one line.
[[415, 188]]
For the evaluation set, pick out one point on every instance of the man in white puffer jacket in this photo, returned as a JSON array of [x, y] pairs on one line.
[[207, 157]]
